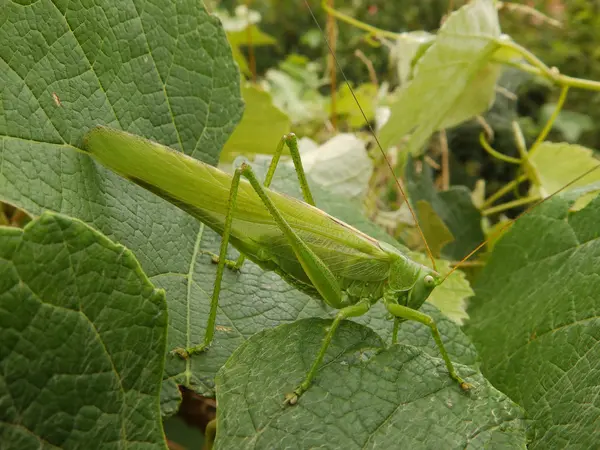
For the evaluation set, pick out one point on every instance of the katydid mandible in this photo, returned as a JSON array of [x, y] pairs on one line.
[[313, 251]]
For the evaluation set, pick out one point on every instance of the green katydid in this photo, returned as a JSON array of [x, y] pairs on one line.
[[307, 247], [313, 251]]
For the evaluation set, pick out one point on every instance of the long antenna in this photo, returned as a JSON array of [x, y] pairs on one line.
[[387, 161], [527, 211]]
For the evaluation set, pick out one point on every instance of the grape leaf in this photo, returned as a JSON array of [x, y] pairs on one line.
[[363, 397], [453, 80], [340, 166], [82, 341], [406, 50], [260, 129], [542, 279], [557, 164]]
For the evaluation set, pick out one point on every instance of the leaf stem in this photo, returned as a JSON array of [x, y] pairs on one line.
[[357, 23], [551, 73], [372, 74], [332, 37], [496, 154], [520, 141], [509, 205], [551, 120], [537, 67], [529, 11], [445, 160], [503, 191], [250, 44]]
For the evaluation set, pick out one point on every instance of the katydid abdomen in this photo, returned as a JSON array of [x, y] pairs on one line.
[[310, 249]]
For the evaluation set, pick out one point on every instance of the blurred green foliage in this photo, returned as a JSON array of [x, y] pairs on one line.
[[574, 50], [294, 70], [290, 22]]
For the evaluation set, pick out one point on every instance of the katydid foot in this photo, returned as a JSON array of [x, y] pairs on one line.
[[292, 397], [186, 353], [230, 264], [466, 387]]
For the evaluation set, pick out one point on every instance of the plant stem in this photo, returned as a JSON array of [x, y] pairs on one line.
[[357, 23], [551, 120], [580, 83], [526, 164], [520, 141], [496, 154], [250, 44], [372, 75], [331, 36], [530, 11], [503, 191], [509, 205], [445, 161], [554, 76]]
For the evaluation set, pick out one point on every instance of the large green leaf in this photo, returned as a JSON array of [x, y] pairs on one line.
[[341, 166], [162, 70], [348, 101], [363, 397], [82, 341], [406, 51], [535, 321], [453, 80], [260, 129], [557, 164]]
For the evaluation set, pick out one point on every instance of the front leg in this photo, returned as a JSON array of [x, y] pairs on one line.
[[407, 313], [359, 309]]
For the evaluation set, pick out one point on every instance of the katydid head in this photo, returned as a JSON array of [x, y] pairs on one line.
[[410, 283], [427, 280]]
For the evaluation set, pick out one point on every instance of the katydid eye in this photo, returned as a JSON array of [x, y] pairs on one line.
[[429, 281]]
